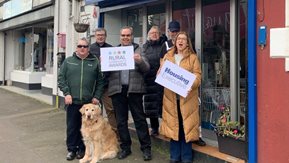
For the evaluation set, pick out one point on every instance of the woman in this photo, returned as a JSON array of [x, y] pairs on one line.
[[181, 115], [153, 98]]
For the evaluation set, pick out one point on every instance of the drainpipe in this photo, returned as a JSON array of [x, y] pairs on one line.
[[252, 82], [4, 63], [56, 50]]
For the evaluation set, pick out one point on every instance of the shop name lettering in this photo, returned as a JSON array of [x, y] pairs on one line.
[[175, 78], [117, 60]]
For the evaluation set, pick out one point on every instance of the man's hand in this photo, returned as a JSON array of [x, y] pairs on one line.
[[137, 57], [68, 100], [95, 101]]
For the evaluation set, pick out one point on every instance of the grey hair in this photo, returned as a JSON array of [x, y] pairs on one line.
[[84, 39], [100, 29], [153, 27], [127, 27]]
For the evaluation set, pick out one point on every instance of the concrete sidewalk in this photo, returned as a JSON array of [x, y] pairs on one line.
[[34, 132]]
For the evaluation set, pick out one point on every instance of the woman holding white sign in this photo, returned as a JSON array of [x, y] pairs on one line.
[[181, 114]]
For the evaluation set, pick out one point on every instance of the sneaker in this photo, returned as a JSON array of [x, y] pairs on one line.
[[200, 142]]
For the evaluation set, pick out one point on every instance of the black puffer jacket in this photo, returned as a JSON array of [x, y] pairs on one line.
[[152, 100]]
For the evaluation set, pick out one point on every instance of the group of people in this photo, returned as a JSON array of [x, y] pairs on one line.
[[81, 81]]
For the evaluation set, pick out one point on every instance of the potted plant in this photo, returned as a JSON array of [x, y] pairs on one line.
[[230, 134], [81, 26]]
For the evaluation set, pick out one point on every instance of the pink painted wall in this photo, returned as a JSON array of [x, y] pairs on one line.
[[272, 90]]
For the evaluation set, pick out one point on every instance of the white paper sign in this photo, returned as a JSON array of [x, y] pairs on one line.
[[175, 78], [117, 58]]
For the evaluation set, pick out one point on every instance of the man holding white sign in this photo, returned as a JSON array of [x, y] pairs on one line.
[[180, 113], [126, 88]]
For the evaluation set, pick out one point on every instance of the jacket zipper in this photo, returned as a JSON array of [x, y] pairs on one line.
[[81, 79]]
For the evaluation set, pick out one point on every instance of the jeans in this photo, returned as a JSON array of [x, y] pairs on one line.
[[122, 102], [180, 150], [73, 122]]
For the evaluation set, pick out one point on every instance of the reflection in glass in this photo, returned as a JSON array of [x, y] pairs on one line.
[[156, 17], [184, 13], [215, 60]]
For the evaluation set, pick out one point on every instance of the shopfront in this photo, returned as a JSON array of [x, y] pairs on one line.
[[28, 42], [219, 34]]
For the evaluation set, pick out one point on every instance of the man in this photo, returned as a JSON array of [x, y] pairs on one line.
[[174, 28], [100, 38], [126, 89], [81, 82]]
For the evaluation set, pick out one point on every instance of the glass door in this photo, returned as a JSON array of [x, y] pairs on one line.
[[215, 89], [184, 13]]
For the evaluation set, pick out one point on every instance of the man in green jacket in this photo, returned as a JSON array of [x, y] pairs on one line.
[[81, 82]]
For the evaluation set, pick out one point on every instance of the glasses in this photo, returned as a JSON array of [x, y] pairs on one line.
[[125, 35], [82, 46]]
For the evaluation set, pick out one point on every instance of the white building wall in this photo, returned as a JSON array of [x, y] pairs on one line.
[[2, 57], [11, 50], [63, 23]]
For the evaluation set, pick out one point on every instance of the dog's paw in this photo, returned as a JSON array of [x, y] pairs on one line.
[[94, 160], [85, 159]]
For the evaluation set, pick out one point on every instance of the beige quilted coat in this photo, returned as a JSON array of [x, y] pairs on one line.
[[188, 106]]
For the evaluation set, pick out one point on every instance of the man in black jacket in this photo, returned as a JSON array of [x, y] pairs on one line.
[[174, 28], [100, 42], [126, 88]]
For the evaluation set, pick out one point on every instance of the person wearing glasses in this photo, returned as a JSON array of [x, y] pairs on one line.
[[81, 82], [100, 42], [181, 114], [126, 88]]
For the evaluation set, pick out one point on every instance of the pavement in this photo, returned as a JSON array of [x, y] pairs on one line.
[[32, 131]]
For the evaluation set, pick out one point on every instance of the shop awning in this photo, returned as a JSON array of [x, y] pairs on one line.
[[110, 3]]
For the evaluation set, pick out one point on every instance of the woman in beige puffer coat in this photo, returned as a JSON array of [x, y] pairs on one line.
[[180, 117]]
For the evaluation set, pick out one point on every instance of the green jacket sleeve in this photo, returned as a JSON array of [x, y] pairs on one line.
[[62, 81]]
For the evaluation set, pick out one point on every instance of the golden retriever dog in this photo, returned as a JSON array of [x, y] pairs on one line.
[[97, 135]]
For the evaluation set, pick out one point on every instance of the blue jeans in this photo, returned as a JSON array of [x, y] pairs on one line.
[[180, 150]]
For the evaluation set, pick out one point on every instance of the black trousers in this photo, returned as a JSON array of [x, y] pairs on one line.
[[154, 123], [122, 102], [73, 122]]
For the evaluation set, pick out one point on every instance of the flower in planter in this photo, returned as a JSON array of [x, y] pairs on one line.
[[226, 127]]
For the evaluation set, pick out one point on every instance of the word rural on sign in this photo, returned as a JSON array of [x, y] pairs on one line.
[[117, 58], [175, 78]]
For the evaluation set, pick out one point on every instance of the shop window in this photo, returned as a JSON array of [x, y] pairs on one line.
[[35, 49], [156, 17], [215, 60], [184, 13], [134, 19], [23, 58], [49, 51]]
